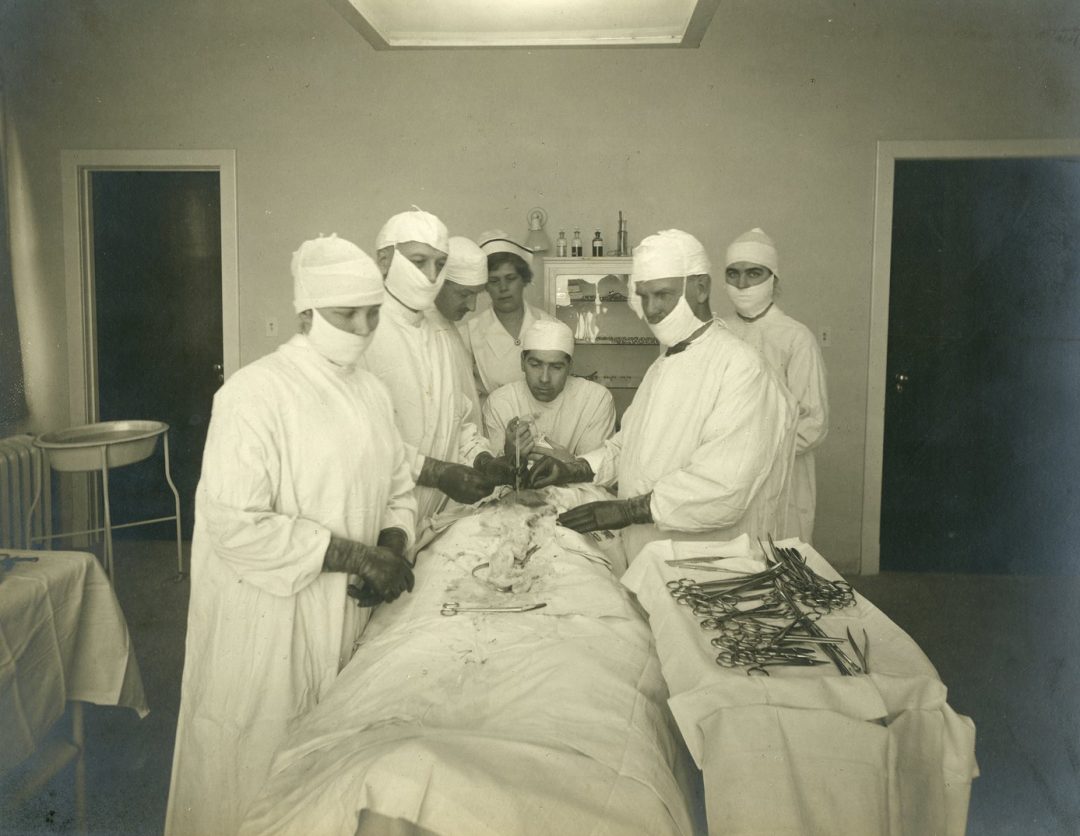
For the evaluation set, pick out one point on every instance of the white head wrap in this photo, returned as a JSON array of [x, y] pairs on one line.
[[548, 335], [466, 263], [333, 272], [414, 225], [668, 254], [753, 246], [496, 241]]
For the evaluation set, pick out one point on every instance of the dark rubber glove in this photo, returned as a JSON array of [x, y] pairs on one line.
[[608, 516], [394, 539], [385, 574], [520, 433], [549, 470], [459, 482], [498, 470]]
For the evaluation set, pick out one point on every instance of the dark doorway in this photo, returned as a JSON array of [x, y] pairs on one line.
[[982, 411], [158, 320]]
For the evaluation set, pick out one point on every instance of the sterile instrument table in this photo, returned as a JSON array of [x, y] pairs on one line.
[[63, 638], [806, 750]]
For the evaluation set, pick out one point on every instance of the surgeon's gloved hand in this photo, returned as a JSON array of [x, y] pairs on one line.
[[518, 434], [549, 470], [384, 573], [609, 515], [459, 482], [396, 540], [499, 470]]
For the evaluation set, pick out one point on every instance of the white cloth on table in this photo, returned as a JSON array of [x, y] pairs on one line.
[[711, 434], [298, 449], [806, 750], [551, 721], [579, 420], [495, 352], [792, 351], [62, 637], [412, 358]]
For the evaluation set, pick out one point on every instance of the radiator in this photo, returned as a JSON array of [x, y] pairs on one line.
[[20, 468]]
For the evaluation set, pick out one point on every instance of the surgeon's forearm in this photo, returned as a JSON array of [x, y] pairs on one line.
[[429, 473]]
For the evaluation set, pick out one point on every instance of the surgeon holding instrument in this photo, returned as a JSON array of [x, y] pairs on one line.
[[705, 448], [305, 483]]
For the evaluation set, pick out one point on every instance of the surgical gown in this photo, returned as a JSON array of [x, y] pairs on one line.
[[792, 351], [711, 434], [579, 420], [298, 449], [431, 409], [496, 354]]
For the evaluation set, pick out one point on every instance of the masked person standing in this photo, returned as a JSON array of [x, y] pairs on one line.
[[448, 454], [550, 411], [705, 448], [304, 483], [791, 350], [465, 276]]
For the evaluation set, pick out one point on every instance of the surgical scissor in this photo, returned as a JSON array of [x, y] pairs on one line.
[[454, 608]]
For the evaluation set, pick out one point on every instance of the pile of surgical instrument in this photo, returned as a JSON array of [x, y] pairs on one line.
[[769, 618]]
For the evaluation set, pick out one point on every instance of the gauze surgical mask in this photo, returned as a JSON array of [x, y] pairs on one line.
[[679, 323], [410, 286], [337, 346], [753, 300]]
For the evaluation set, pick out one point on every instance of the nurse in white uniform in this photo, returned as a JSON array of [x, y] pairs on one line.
[[549, 411], [448, 454], [304, 484], [494, 335], [705, 448], [790, 348]]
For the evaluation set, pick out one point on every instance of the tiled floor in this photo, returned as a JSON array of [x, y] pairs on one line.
[[1006, 647]]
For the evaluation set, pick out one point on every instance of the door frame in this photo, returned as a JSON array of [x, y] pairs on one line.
[[76, 168], [887, 155]]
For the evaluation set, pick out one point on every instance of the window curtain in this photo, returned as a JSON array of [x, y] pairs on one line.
[[13, 409]]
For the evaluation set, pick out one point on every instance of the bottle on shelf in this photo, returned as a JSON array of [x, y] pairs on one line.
[[624, 242], [597, 245], [560, 245], [576, 250]]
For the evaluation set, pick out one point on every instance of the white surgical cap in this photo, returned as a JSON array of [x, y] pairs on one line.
[[753, 246], [548, 335], [668, 254], [414, 225], [466, 263], [332, 272], [496, 241]]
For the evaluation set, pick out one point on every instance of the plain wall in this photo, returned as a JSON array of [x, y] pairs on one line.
[[772, 122]]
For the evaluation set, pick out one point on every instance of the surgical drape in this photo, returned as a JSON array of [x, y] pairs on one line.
[[710, 433], [298, 449], [791, 349]]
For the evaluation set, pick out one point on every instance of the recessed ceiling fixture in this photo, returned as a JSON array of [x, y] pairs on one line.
[[435, 24]]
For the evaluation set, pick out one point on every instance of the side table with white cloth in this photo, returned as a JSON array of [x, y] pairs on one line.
[[806, 750], [63, 638]]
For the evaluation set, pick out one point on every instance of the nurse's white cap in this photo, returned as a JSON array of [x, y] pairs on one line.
[[331, 272], [496, 241], [548, 335]]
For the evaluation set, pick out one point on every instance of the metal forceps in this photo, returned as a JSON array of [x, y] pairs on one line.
[[454, 608], [861, 653]]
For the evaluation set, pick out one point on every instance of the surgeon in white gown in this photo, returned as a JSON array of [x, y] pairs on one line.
[[448, 454], [790, 348], [550, 410], [465, 278], [706, 446], [304, 484]]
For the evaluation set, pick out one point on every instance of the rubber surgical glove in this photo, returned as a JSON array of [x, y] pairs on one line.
[[518, 433], [549, 470], [385, 573], [609, 515], [499, 470], [459, 482]]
